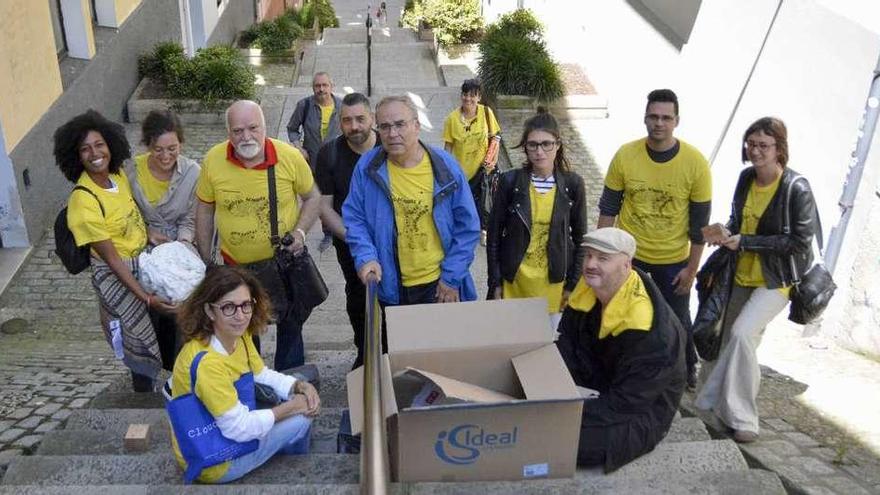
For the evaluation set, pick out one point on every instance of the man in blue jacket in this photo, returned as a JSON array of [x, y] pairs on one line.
[[411, 222]]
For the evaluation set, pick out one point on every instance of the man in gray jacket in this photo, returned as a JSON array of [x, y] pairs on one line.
[[315, 121]]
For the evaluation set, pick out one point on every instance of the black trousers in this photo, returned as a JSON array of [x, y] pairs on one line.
[[355, 297]]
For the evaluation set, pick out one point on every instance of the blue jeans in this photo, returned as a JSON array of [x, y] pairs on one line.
[[290, 437], [289, 349], [662, 275]]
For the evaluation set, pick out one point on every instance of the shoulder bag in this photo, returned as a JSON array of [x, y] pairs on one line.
[[201, 443], [813, 291], [74, 258]]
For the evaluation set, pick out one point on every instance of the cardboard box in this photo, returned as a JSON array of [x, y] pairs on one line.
[[504, 346]]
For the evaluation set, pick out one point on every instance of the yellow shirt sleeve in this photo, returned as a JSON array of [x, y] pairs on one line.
[[303, 178], [702, 190], [614, 178], [494, 127], [205, 184], [85, 220], [447, 129]]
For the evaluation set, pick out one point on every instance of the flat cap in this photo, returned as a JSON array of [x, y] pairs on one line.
[[611, 240]]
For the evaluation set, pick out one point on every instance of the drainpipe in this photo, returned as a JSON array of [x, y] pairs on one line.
[[867, 126]]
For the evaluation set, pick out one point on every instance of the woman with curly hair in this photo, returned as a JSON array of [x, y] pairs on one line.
[[538, 220], [163, 183], [217, 322], [101, 213]]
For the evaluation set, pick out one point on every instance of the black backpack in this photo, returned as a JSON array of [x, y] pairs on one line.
[[75, 259]]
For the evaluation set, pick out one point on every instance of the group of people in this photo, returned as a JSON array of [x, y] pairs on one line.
[[410, 216]]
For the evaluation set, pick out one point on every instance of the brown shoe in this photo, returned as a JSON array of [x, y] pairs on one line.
[[743, 436]]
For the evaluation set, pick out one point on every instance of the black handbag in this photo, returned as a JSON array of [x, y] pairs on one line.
[[813, 291], [714, 284], [302, 281]]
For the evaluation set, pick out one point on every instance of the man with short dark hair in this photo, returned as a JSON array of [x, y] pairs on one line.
[[233, 188], [411, 222], [335, 165], [659, 189], [620, 338]]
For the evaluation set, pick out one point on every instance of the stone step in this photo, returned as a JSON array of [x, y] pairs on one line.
[[162, 469], [100, 432], [753, 481], [668, 460], [358, 34]]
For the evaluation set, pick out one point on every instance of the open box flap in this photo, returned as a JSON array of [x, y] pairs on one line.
[[475, 324], [354, 382], [543, 375], [452, 389]]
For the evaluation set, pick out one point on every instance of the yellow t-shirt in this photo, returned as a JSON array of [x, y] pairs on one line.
[[214, 384], [154, 189], [326, 113], [241, 198], [121, 221], [419, 249], [629, 309], [532, 277], [748, 264], [656, 198], [470, 140]]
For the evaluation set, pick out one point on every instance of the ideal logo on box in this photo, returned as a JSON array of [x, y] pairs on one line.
[[463, 444]]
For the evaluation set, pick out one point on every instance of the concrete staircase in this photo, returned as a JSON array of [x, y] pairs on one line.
[[87, 456]]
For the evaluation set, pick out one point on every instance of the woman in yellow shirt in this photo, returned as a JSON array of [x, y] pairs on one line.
[[769, 261], [89, 150], [163, 183], [537, 222], [218, 321]]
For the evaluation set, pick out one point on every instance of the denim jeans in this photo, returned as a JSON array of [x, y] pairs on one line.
[[662, 275], [290, 437], [289, 349]]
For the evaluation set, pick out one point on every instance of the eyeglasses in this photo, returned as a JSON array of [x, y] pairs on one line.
[[760, 146], [228, 309], [545, 145], [398, 126]]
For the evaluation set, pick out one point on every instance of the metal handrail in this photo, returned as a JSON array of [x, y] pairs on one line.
[[375, 473]]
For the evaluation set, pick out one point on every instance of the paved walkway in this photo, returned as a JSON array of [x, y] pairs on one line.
[[61, 361]]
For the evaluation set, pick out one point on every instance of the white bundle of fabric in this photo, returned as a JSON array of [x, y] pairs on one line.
[[171, 271]]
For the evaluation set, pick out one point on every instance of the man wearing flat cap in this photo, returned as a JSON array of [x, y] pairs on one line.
[[618, 336]]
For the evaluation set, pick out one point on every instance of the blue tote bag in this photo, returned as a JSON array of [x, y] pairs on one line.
[[198, 437]]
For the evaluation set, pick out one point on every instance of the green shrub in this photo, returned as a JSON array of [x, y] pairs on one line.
[[274, 35], [453, 21], [161, 61], [215, 73], [520, 22], [220, 73], [514, 60], [322, 9]]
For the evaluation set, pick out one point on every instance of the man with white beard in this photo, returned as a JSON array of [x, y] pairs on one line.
[[233, 190]]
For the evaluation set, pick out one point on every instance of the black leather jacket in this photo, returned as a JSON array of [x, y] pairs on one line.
[[774, 246], [510, 223]]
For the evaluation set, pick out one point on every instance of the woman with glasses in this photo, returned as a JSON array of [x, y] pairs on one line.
[[769, 261], [537, 222], [163, 183], [217, 322]]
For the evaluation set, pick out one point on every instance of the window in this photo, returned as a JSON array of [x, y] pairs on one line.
[[58, 27]]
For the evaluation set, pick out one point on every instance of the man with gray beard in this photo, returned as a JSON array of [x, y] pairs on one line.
[[233, 191]]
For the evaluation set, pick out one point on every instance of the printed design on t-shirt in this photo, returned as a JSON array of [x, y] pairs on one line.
[[252, 207], [133, 224], [536, 253], [411, 211], [652, 207]]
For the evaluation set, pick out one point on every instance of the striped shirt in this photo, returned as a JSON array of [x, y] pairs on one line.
[[543, 185]]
